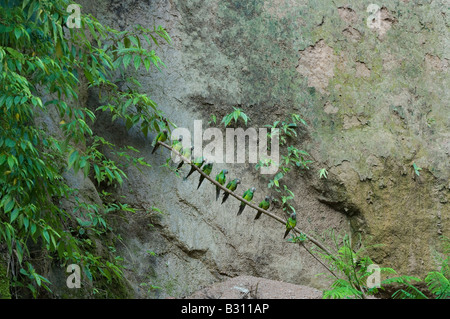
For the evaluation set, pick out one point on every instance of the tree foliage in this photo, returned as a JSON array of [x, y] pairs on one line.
[[42, 64]]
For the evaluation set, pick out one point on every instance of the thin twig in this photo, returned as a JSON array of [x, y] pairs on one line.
[[325, 266], [303, 245]]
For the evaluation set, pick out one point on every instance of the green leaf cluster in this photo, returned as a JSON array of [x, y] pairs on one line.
[[291, 158], [417, 169], [323, 173], [287, 128], [42, 64], [235, 115]]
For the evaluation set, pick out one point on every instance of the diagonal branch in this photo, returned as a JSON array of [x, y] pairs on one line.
[[277, 218]]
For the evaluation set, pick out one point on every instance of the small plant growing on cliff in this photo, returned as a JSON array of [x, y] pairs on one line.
[[352, 269], [213, 119], [301, 238], [150, 288], [323, 173], [287, 127], [417, 169], [264, 163], [235, 115], [292, 159], [438, 282]]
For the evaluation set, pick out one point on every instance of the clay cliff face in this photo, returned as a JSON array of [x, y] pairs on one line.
[[371, 81]]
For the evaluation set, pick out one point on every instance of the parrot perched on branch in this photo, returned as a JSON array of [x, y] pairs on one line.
[[264, 205], [248, 195], [232, 187], [186, 152], [161, 137], [177, 145], [291, 223], [221, 178], [199, 161], [207, 170]]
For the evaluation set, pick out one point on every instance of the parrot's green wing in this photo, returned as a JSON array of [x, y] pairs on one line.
[[207, 170], [290, 224], [177, 145], [161, 137], [186, 152], [155, 144], [197, 162], [230, 187], [248, 195], [221, 179], [265, 204]]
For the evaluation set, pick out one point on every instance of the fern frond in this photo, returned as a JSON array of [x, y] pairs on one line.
[[410, 292], [383, 270], [403, 280], [438, 284], [446, 245], [341, 289], [342, 293]]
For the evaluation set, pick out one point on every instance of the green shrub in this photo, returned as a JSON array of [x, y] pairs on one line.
[[42, 63]]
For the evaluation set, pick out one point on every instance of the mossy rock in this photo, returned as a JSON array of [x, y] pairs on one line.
[[4, 282]]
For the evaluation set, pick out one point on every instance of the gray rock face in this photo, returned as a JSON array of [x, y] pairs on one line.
[[248, 287], [375, 95]]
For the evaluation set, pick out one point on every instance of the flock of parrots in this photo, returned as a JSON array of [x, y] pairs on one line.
[[207, 166]]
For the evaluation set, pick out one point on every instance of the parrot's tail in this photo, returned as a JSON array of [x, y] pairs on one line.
[[217, 193], [241, 209], [190, 172], [287, 232], [200, 182], [225, 196], [258, 215], [155, 148]]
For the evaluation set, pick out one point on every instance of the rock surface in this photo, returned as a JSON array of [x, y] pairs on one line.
[[376, 100], [248, 287]]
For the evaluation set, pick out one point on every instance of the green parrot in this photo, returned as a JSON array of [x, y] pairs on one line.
[[264, 205], [199, 161], [186, 152], [291, 223], [232, 187], [161, 137], [207, 170], [177, 145], [221, 178], [248, 195]]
